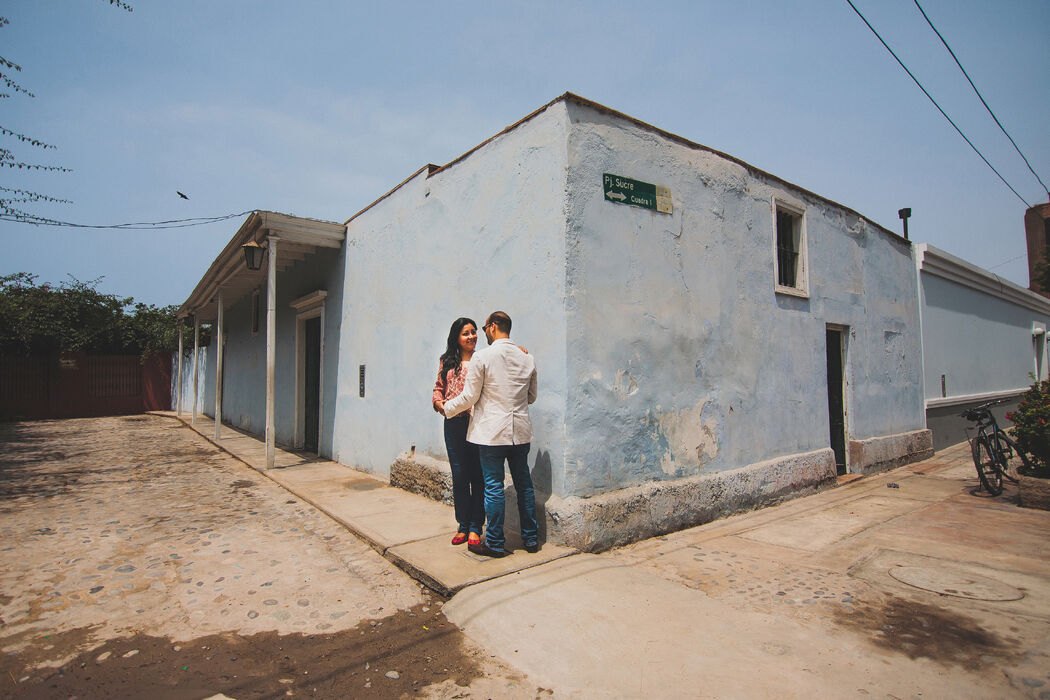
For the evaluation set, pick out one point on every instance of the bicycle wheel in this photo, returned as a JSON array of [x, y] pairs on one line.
[[1013, 456], [987, 466]]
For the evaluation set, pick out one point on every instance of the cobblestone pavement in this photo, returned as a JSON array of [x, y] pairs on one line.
[[135, 528]]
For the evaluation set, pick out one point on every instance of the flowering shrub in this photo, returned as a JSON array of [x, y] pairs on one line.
[[1032, 428]]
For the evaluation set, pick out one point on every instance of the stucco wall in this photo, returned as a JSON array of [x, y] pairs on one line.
[[483, 234], [682, 358], [244, 375], [980, 343]]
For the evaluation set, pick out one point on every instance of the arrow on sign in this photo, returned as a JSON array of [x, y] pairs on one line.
[[616, 195]]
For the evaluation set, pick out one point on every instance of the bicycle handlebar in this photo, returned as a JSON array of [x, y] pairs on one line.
[[977, 412]]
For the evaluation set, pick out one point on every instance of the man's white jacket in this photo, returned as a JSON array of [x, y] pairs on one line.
[[500, 385]]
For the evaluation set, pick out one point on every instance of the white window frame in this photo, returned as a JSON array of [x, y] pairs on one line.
[[801, 288]]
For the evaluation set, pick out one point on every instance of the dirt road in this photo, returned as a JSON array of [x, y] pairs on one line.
[[136, 560]]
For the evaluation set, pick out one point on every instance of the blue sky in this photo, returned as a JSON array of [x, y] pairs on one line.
[[315, 108]]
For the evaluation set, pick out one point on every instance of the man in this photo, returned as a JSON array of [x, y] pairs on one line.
[[500, 385]]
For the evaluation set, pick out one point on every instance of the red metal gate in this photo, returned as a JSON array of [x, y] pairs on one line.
[[71, 385]]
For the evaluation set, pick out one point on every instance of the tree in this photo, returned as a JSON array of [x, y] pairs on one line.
[[1041, 274], [13, 200], [43, 319]]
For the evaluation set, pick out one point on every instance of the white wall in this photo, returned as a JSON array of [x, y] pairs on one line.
[[486, 233], [977, 330], [682, 358]]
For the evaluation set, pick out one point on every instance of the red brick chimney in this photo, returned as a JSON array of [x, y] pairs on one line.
[[1037, 232]]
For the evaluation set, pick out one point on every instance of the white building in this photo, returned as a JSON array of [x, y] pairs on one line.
[[984, 339], [708, 336]]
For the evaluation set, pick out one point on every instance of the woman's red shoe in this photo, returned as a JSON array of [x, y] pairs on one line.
[[459, 538]]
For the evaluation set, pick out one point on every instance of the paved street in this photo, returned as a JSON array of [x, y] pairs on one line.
[[136, 559], [902, 585]]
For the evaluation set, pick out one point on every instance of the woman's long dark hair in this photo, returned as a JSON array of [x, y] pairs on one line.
[[453, 355]]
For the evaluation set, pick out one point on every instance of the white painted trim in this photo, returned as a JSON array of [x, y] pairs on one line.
[[271, 349], [938, 263], [196, 363], [309, 301], [974, 398], [309, 306], [218, 366], [178, 386]]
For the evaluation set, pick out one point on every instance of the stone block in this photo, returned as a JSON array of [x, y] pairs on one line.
[[426, 476], [628, 515], [886, 452]]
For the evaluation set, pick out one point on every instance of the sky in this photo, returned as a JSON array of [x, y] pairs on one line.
[[318, 107]]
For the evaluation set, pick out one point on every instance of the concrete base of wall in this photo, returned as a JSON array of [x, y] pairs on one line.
[[949, 427], [424, 475], [629, 515], [879, 454]]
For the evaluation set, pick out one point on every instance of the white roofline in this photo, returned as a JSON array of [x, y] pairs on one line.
[[934, 261]]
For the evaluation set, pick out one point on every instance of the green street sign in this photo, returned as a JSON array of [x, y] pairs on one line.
[[624, 190]]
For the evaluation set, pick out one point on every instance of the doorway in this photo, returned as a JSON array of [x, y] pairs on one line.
[[835, 344], [311, 383]]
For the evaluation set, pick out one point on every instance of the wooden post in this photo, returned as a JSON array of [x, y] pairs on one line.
[[178, 386], [218, 370], [271, 348], [196, 351]]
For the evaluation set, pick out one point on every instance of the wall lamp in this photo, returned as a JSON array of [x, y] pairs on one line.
[[253, 254]]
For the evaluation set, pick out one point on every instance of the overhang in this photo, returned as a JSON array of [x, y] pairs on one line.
[[297, 238]]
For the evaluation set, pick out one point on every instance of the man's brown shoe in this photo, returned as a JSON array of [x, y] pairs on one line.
[[485, 551]]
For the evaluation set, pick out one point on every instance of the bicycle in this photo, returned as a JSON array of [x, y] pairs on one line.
[[995, 454]]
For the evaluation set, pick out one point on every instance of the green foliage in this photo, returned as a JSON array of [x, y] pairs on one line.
[[41, 319], [1032, 427], [1041, 275]]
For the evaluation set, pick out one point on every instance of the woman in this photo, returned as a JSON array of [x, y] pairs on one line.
[[468, 488]]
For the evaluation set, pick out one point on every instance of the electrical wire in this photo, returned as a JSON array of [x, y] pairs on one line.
[[981, 97], [143, 225], [943, 113], [1007, 261]]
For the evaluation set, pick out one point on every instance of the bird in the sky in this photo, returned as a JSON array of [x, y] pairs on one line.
[[181, 194]]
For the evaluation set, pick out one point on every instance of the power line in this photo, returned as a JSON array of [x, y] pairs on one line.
[[981, 97], [943, 113], [1007, 261], [142, 225]]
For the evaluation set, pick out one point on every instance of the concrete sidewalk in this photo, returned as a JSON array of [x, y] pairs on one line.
[[412, 531], [905, 584]]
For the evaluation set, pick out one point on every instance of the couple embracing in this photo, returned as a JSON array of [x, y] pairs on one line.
[[485, 397]]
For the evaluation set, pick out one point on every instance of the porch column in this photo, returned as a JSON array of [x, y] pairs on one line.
[[178, 386], [271, 349], [218, 370], [196, 350]]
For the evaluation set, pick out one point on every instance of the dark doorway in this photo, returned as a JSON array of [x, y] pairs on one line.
[[312, 388], [836, 393]]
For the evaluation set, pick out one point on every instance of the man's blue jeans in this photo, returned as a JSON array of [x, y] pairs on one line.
[[492, 457]]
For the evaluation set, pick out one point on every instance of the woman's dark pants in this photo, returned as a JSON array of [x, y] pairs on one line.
[[468, 487]]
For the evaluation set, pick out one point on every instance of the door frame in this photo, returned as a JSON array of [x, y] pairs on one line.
[[845, 335], [308, 307]]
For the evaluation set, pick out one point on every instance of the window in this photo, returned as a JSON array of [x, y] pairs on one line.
[[790, 242], [255, 312]]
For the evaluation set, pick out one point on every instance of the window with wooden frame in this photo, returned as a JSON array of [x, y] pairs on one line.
[[789, 240], [256, 312]]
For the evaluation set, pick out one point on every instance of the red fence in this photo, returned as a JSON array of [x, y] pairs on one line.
[[72, 385]]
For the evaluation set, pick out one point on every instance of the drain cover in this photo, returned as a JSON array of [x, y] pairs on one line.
[[955, 583]]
